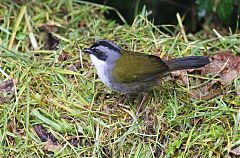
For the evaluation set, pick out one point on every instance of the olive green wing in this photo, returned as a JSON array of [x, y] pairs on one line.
[[131, 67]]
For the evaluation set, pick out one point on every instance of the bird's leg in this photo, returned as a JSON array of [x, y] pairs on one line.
[[145, 95]]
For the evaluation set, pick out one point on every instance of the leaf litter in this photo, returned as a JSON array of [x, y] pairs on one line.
[[7, 91], [235, 151], [223, 69], [225, 66], [44, 136], [51, 42]]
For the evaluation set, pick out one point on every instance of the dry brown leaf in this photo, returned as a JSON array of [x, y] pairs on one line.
[[206, 92], [43, 134], [50, 42], [225, 65], [150, 120], [7, 91], [181, 76], [51, 146], [6, 86], [236, 151]]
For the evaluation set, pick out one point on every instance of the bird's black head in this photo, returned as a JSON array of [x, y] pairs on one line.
[[103, 49]]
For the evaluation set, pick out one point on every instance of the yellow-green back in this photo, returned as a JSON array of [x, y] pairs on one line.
[[132, 66]]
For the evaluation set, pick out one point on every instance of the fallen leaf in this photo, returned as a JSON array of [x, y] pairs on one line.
[[224, 65], [41, 132], [107, 152], [51, 146], [224, 68], [236, 151], [150, 120], [181, 76], [51, 41], [72, 68], [6, 86], [50, 26], [207, 91], [11, 126], [7, 91]]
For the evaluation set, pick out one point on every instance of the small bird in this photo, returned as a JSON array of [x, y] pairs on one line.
[[133, 72]]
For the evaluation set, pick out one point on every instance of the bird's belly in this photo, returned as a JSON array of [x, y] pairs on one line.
[[133, 87]]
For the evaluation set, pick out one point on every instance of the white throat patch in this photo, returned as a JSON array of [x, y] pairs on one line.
[[101, 67]]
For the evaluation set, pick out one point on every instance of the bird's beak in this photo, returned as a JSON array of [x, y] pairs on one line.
[[88, 50]]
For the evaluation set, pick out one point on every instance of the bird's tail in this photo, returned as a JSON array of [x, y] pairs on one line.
[[191, 62]]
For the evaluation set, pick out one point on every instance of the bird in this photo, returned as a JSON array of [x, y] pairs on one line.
[[134, 72]]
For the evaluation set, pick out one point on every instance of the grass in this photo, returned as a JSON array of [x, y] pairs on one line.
[[58, 91]]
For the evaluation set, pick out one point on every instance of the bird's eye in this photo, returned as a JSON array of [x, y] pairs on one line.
[[100, 54]]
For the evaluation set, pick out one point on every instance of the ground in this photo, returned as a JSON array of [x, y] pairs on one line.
[[53, 104]]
